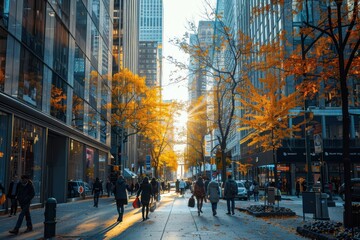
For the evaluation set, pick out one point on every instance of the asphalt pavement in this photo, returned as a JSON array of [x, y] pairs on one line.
[[172, 220]]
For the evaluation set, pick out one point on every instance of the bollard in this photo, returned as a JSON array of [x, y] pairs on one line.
[[50, 216]]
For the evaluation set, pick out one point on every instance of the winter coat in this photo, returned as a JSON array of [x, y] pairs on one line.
[[11, 194], [120, 190], [227, 189], [213, 192], [25, 193], [97, 187], [146, 192], [155, 186], [199, 189]]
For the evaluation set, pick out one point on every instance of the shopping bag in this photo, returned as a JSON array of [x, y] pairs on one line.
[[136, 203], [191, 202], [152, 206]]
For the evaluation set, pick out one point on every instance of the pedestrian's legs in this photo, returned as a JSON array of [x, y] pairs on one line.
[[233, 206], [214, 207], [228, 205], [24, 210], [120, 210]]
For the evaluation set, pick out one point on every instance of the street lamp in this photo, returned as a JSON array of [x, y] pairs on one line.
[[309, 175]]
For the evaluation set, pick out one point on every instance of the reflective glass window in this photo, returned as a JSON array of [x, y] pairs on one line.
[[94, 78], [81, 24], [3, 41], [79, 72], [90, 165], [61, 49], [30, 78], [26, 153], [76, 161], [95, 41], [77, 112], [4, 12], [103, 129], [33, 25], [92, 122], [58, 98]]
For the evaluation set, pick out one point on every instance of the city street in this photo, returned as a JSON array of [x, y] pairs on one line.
[[171, 220]]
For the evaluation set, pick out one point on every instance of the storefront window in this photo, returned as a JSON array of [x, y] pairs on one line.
[[76, 161], [27, 153], [102, 166], [90, 165], [4, 118], [3, 41]]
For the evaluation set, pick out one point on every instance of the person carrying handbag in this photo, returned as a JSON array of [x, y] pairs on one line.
[[199, 193], [121, 196]]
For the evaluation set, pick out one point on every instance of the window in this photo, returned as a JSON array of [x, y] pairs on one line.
[[81, 23], [77, 112], [61, 49], [3, 41], [30, 78], [58, 98]]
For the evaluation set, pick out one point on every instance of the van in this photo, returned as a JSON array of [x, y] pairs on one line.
[[73, 188], [355, 190]]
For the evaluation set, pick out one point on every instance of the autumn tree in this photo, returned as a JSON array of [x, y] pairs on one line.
[[134, 105], [221, 63], [331, 43], [196, 131], [160, 136]]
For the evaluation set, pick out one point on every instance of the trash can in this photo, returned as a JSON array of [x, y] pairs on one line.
[[271, 195], [321, 211]]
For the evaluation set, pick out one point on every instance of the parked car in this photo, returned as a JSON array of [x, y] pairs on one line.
[[73, 188], [242, 192], [355, 190]]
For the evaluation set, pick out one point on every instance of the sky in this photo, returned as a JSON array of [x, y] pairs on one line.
[[176, 16]]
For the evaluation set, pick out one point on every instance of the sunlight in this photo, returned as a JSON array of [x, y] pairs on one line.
[[182, 120]]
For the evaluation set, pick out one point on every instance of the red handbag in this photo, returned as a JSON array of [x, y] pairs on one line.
[[136, 203]]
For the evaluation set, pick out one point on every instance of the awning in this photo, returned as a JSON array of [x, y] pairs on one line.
[[129, 174]]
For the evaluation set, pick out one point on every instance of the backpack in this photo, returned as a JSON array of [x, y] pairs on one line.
[[233, 188]]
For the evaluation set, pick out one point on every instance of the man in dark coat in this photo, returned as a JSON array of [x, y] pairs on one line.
[[25, 194], [121, 196], [230, 194], [96, 190]]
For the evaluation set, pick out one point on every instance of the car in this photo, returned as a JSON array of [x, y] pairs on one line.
[[355, 190], [242, 192], [74, 186], [172, 185]]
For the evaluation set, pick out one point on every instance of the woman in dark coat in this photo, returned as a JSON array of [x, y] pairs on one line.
[[146, 193], [121, 196], [199, 193]]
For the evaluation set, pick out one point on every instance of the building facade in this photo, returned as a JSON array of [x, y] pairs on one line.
[[55, 63], [326, 107]]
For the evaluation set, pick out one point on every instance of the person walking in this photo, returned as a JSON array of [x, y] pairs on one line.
[[12, 195], [146, 192], [96, 190], [155, 188], [121, 196], [230, 192], [256, 191], [199, 193], [213, 194], [182, 187], [25, 194], [108, 186], [297, 188]]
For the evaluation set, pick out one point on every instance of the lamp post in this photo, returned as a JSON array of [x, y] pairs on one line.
[[309, 175]]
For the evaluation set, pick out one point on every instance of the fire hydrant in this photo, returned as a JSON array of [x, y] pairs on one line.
[[50, 216]]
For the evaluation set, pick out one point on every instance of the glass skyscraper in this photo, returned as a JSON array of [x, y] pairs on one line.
[[55, 79]]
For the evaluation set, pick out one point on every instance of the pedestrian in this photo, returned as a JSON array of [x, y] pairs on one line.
[[213, 194], [182, 186], [155, 188], [304, 186], [230, 191], [12, 195], [132, 188], [25, 194], [168, 187], [199, 193], [256, 191], [297, 188], [177, 186], [146, 192], [121, 196], [137, 186], [109, 186], [96, 190]]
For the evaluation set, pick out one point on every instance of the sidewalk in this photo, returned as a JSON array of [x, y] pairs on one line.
[[171, 220]]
